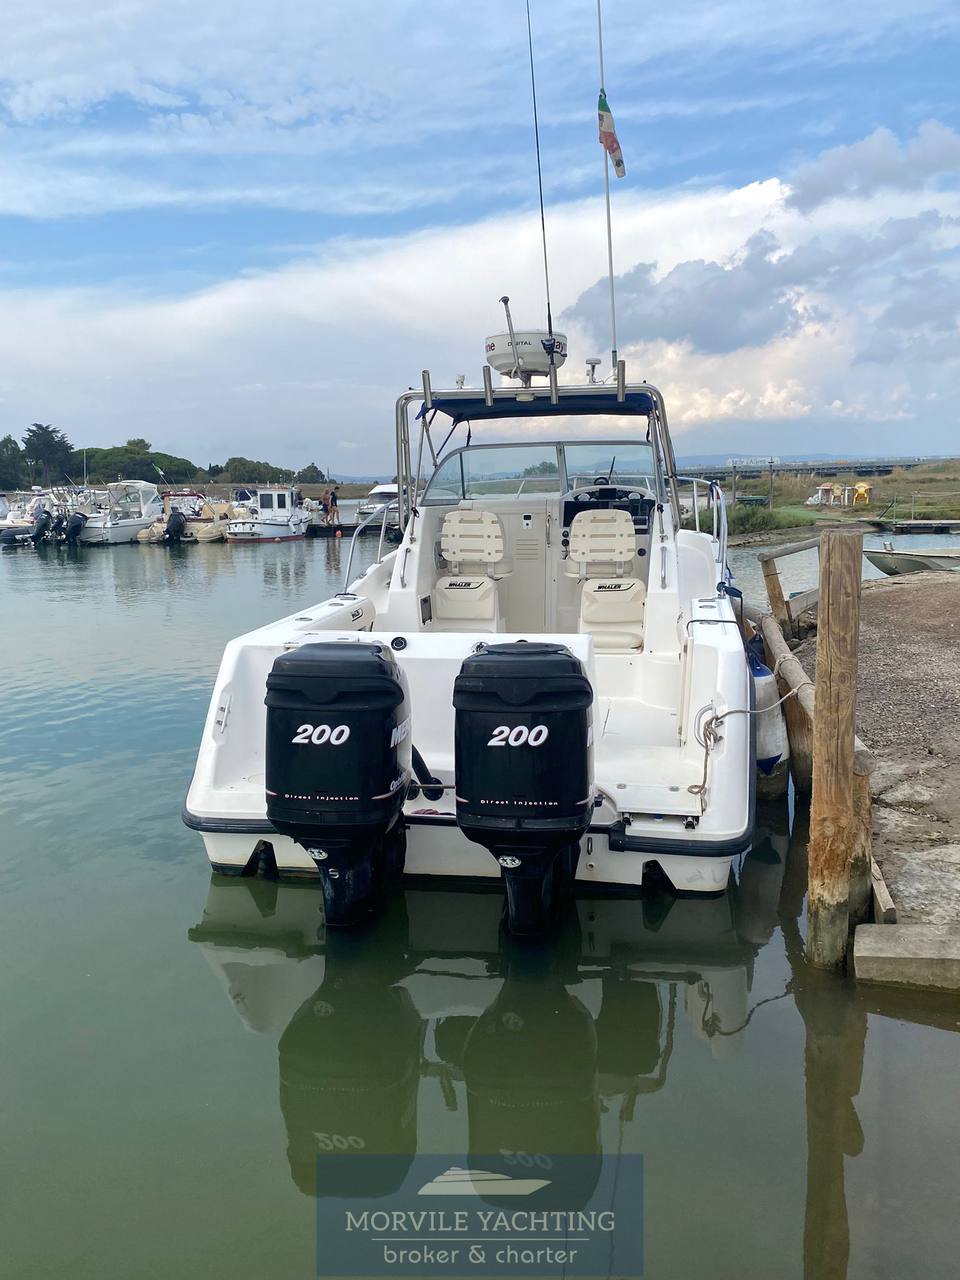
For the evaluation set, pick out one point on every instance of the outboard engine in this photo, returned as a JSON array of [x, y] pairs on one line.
[[524, 769], [59, 523], [71, 534], [41, 527], [176, 523], [338, 766]]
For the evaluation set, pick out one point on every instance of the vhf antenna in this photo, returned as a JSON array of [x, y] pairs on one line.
[[549, 345]]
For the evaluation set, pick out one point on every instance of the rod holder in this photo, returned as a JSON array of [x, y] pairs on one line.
[[554, 393], [621, 380], [517, 358], [488, 386], [427, 393]]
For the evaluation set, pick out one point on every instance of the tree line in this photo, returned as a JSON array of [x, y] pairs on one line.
[[45, 456]]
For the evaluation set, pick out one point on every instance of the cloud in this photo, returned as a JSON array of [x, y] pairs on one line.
[[762, 292], [714, 306], [877, 163], [143, 104], [751, 316]]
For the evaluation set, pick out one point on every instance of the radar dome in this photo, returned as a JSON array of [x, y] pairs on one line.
[[531, 354]]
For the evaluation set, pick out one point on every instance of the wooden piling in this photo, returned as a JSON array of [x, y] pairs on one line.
[[833, 820], [786, 612], [778, 604]]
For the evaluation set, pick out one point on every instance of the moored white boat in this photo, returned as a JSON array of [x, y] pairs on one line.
[[120, 512], [545, 682], [375, 499], [270, 513], [19, 516]]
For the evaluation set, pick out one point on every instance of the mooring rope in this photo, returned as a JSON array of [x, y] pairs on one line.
[[710, 738]]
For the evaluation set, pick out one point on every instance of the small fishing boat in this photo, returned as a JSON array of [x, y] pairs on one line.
[[269, 513], [118, 513], [544, 683], [891, 561]]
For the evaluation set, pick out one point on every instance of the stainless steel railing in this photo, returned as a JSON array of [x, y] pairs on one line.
[[382, 510]]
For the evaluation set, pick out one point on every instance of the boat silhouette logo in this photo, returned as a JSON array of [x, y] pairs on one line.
[[480, 1182]]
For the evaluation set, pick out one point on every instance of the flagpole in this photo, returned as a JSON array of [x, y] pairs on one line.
[[606, 192]]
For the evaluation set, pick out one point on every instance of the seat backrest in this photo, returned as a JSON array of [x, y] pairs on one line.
[[601, 543], [471, 538]]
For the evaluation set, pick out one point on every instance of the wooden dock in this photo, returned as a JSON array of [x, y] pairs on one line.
[[346, 530], [916, 526]]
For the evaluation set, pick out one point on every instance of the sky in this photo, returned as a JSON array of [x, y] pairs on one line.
[[244, 229]]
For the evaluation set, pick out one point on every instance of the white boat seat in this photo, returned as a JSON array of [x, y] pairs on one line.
[[471, 543], [602, 553], [611, 610], [601, 542]]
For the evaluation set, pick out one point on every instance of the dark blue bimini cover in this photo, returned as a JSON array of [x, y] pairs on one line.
[[473, 410]]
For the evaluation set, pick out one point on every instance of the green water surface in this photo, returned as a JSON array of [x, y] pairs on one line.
[[177, 1049]]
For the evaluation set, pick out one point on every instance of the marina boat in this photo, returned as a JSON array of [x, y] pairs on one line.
[[33, 518], [119, 512], [544, 683], [378, 495], [189, 516], [272, 513], [893, 562]]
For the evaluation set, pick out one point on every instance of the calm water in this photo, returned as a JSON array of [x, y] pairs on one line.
[[802, 571], [176, 1049]]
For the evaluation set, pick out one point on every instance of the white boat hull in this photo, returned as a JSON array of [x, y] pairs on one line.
[[263, 531], [227, 801], [121, 531]]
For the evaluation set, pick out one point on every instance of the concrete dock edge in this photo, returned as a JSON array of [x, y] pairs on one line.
[[909, 955]]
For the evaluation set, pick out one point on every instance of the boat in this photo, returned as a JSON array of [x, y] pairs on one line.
[[544, 683], [19, 518], [891, 561], [268, 513], [118, 513], [375, 499], [189, 516], [35, 518]]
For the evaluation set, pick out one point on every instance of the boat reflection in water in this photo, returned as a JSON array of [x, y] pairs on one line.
[[390, 1034]]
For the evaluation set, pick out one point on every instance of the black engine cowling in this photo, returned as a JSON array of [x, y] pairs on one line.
[[41, 527], [338, 766], [75, 523], [524, 768], [176, 524]]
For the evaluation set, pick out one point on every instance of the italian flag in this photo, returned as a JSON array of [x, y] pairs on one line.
[[608, 136]]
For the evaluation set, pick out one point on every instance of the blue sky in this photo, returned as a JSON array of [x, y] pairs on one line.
[[245, 229]]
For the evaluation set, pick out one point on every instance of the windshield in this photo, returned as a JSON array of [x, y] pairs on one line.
[[518, 470], [623, 463], [505, 471]]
